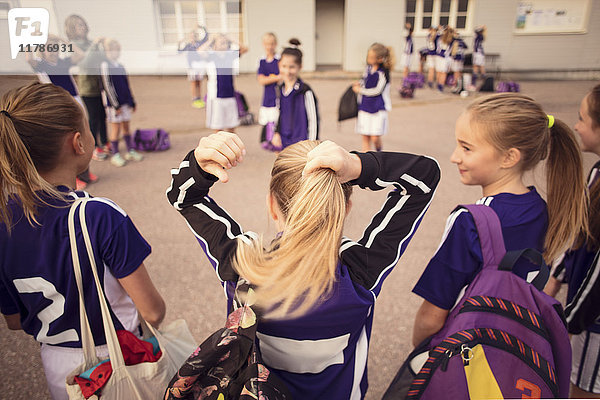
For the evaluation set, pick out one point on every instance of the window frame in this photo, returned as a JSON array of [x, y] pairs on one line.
[[453, 15]]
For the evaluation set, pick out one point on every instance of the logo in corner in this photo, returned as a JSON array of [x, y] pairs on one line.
[[27, 26]]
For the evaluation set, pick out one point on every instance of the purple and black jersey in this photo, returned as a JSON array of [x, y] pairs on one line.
[[115, 85], [459, 47], [298, 114], [432, 43], [478, 43], [458, 259], [408, 46], [36, 269], [374, 84], [267, 68], [323, 354], [57, 73]]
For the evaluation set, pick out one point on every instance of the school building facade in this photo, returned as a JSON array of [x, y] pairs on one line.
[[543, 38]]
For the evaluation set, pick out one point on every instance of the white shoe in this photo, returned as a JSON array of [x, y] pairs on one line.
[[133, 155], [117, 160]]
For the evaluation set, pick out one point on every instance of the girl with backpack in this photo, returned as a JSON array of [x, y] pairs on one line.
[[45, 141], [298, 110], [499, 138], [375, 101], [581, 267], [316, 288]]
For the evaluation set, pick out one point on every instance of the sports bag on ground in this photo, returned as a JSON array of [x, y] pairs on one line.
[[245, 116], [227, 365], [151, 140], [348, 107], [414, 80], [504, 339]]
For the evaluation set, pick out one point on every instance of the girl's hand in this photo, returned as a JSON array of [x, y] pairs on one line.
[[356, 87], [276, 141], [347, 166], [219, 152]]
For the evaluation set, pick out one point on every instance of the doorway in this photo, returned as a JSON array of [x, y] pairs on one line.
[[329, 34]]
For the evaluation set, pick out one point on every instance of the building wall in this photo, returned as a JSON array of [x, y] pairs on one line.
[[540, 52], [285, 18]]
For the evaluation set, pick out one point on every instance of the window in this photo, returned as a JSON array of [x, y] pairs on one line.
[[423, 14], [178, 18]]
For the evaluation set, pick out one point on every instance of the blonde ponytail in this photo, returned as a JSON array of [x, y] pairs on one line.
[[300, 269]]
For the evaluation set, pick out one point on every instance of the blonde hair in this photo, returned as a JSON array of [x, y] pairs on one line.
[[515, 121], [71, 27], [300, 268], [31, 139], [110, 43], [386, 54], [448, 35], [271, 35]]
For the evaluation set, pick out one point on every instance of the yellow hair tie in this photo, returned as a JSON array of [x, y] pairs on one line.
[[550, 120]]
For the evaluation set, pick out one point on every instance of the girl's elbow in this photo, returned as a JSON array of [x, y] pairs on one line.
[[155, 316]]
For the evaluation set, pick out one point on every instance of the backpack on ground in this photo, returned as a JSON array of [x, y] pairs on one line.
[[348, 107], [151, 140], [246, 117], [505, 338], [488, 84], [507, 86], [407, 92], [414, 80], [227, 365]]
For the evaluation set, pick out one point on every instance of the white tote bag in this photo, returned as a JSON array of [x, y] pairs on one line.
[[144, 381]]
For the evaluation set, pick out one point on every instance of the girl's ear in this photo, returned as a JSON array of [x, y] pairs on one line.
[[272, 207], [77, 143], [348, 207], [511, 158]]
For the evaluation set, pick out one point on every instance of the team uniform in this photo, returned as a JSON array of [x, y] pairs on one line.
[[442, 56], [58, 74], [478, 54], [221, 105], [37, 279], [298, 114], [196, 64], [116, 92], [581, 272], [407, 53], [432, 43], [458, 55], [458, 259], [323, 354], [269, 111], [375, 102]]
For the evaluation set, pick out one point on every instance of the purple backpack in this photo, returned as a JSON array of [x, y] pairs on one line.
[[414, 80], [504, 339], [151, 140], [507, 86]]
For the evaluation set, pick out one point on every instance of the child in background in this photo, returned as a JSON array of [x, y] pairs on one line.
[[268, 76], [499, 138], [315, 288], [196, 65], [375, 102], [298, 113], [458, 54], [432, 43], [408, 50], [478, 53], [45, 141], [221, 108], [443, 58], [581, 267], [119, 103]]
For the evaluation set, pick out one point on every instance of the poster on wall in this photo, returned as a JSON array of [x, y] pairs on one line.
[[552, 16]]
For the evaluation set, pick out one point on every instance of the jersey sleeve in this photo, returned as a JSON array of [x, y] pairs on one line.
[[414, 180], [311, 115], [582, 311], [261, 68], [212, 226], [122, 248], [378, 89], [8, 305], [455, 263], [107, 84]]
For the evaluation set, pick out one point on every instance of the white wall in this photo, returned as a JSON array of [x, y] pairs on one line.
[[285, 18], [329, 28]]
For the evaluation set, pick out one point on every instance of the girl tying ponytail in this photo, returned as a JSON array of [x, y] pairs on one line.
[[315, 289]]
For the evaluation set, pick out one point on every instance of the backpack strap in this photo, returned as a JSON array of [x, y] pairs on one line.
[[490, 234], [509, 261]]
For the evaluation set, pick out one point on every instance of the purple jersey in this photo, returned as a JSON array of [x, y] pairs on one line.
[[298, 114], [408, 46], [322, 355], [524, 221], [267, 68], [58, 74], [372, 90], [478, 43], [115, 85], [36, 269]]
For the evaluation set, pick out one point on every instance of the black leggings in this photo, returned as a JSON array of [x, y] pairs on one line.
[[97, 118]]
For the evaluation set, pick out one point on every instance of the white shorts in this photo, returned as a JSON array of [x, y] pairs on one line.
[[431, 61], [405, 60], [457, 66], [222, 113], [197, 71], [478, 59], [586, 353], [375, 124], [59, 362], [267, 114], [442, 64], [124, 115]]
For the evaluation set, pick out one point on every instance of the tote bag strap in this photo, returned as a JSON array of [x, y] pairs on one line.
[[114, 349], [87, 339]]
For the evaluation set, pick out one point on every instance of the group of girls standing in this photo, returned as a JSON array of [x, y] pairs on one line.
[[315, 288]]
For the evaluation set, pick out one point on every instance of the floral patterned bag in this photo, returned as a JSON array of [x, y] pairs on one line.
[[227, 364]]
